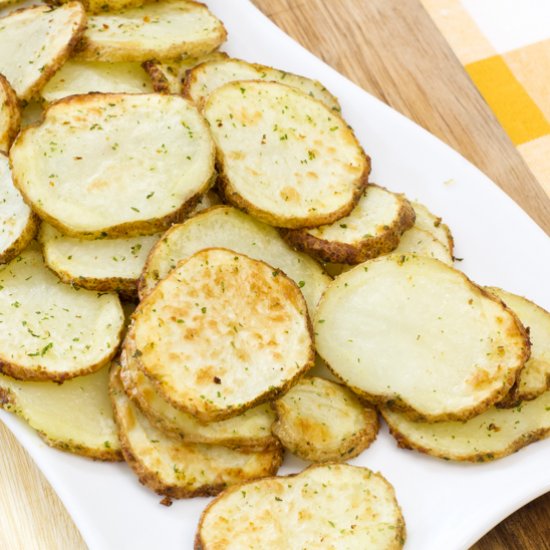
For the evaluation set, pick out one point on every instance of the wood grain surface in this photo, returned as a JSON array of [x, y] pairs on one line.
[[393, 50]]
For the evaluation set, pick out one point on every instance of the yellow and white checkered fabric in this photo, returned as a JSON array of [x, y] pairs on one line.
[[504, 46]]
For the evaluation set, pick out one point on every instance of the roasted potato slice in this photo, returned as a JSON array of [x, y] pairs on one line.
[[227, 227], [250, 430], [207, 77], [163, 30], [423, 243], [82, 77], [182, 470], [374, 227], [35, 42], [322, 421], [114, 165], [427, 221], [237, 328], [167, 77], [75, 416], [493, 434], [417, 335], [325, 506], [10, 116], [49, 330], [255, 125], [18, 224], [103, 264], [534, 379], [99, 6]]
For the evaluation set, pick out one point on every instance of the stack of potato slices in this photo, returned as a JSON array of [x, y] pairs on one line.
[[231, 201]]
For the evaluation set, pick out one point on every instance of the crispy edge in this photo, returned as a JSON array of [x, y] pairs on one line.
[[400, 531], [360, 251], [229, 193], [8, 402], [151, 479], [158, 80], [13, 121], [127, 229], [523, 440], [396, 403], [88, 50], [354, 445], [62, 56], [94, 7], [191, 78], [173, 430], [222, 414]]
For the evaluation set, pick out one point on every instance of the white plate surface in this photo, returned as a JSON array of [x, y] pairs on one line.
[[446, 506]]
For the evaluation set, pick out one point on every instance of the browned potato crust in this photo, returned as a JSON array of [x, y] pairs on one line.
[[365, 247], [10, 115]]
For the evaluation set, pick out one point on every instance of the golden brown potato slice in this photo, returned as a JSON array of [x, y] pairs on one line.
[[167, 77], [103, 264], [322, 421], [250, 430], [493, 434], [18, 224], [222, 334], [207, 77], [256, 125], [158, 30], [35, 42], [99, 6], [114, 165], [374, 227], [75, 416], [82, 77], [227, 227], [325, 506], [534, 379], [182, 470], [10, 116], [49, 330], [417, 335], [427, 221]]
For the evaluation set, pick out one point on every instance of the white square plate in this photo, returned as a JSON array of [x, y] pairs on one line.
[[446, 506]]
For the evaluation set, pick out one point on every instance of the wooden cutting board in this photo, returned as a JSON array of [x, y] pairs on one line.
[[393, 50]]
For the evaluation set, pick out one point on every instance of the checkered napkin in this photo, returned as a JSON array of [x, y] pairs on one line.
[[504, 46]]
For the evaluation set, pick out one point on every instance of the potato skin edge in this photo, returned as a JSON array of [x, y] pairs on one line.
[[14, 116]]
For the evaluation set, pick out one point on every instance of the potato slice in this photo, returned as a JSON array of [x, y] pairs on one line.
[[114, 165], [82, 77], [250, 430], [207, 77], [534, 379], [423, 243], [182, 470], [10, 116], [167, 77], [49, 330], [18, 224], [325, 506], [417, 335], [222, 334], [373, 228], [75, 416], [103, 264], [426, 221], [255, 125], [99, 6], [322, 421], [162, 30], [226, 227], [35, 42], [493, 434]]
